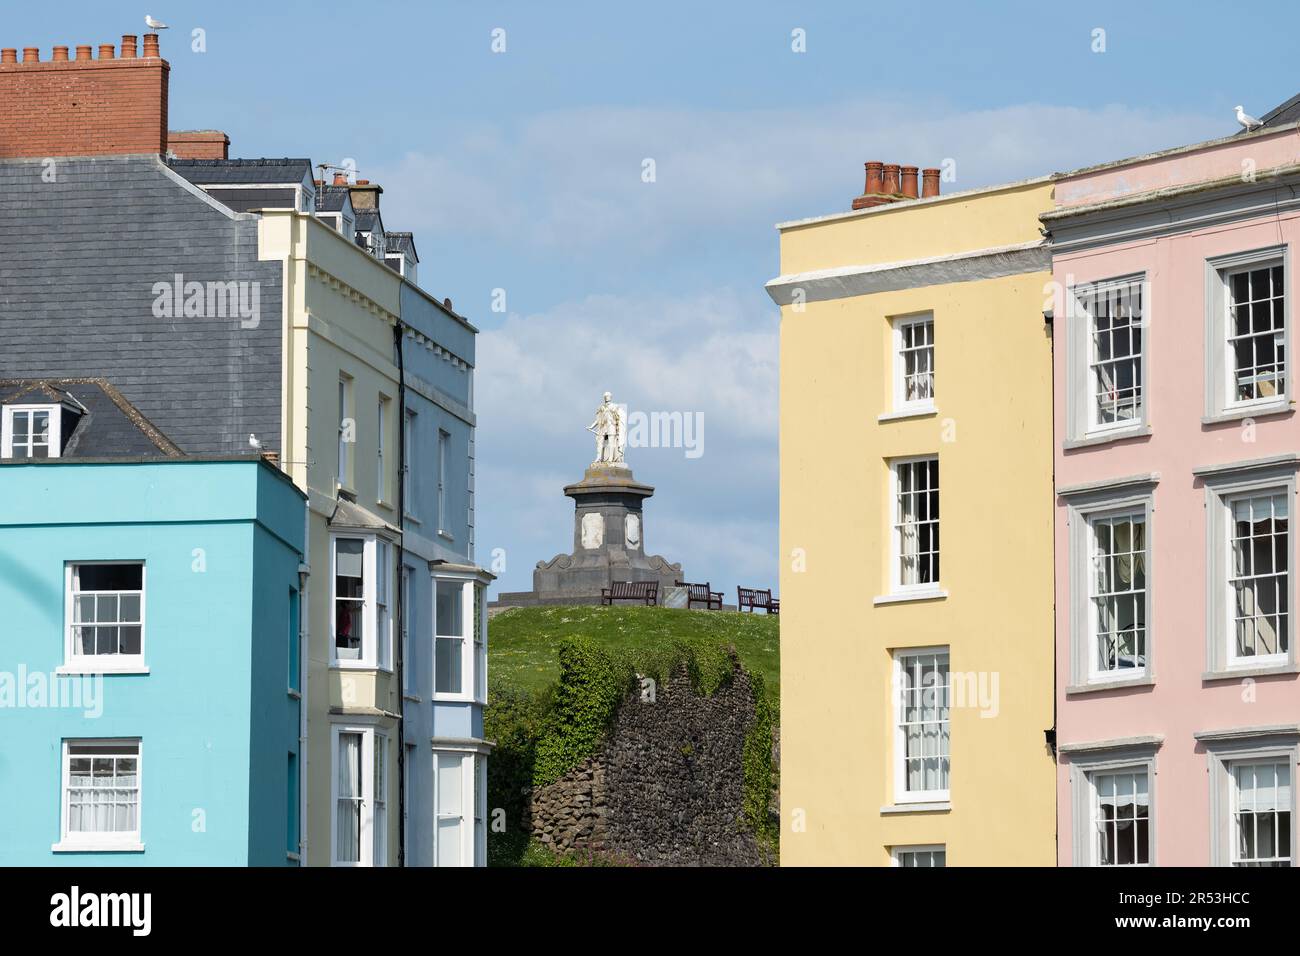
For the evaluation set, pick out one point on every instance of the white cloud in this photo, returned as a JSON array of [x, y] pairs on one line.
[[570, 180]]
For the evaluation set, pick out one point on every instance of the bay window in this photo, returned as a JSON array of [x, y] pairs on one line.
[[360, 779], [460, 808], [362, 598]]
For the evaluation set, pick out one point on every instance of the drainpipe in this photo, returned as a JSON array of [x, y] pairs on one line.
[[304, 639], [399, 334]]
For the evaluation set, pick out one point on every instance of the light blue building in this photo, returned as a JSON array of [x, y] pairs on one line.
[[149, 657], [444, 680]]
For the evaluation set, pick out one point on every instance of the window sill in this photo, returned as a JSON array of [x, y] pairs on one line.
[[447, 536], [1239, 412], [1094, 687], [902, 414], [938, 806], [292, 857], [1105, 438], [412, 519], [453, 699], [935, 594], [412, 699], [87, 847], [1237, 673], [296, 695], [352, 666], [86, 670]]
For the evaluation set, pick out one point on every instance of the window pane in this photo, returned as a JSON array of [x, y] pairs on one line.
[[448, 666], [449, 613]]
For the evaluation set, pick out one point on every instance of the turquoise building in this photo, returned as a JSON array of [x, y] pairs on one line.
[[150, 661]]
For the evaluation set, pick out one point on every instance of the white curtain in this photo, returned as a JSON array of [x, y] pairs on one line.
[[349, 805]]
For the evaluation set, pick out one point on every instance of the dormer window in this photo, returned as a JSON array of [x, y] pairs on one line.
[[30, 431]]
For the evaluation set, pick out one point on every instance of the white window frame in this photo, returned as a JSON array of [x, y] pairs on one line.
[[468, 676], [1131, 497], [1222, 490], [896, 585], [902, 406], [1220, 386], [93, 841], [409, 416], [897, 853], [1081, 390], [381, 477], [473, 806], [444, 447], [369, 734], [344, 456], [75, 662], [1094, 805], [902, 795], [381, 766], [410, 673], [373, 643], [1230, 749], [7, 429], [1084, 767]]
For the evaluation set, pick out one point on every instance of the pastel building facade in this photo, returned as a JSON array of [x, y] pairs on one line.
[[147, 690], [1176, 452], [915, 494], [243, 305]]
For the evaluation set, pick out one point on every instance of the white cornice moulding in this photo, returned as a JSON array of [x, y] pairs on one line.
[[847, 281]]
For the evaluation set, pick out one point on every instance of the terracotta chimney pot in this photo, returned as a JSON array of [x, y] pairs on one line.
[[83, 52], [128, 46], [151, 44], [31, 54], [873, 179], [61, 54], [340, 179], [890, 186], [929, 182], [8, 55], [909, 182], [106, 51]]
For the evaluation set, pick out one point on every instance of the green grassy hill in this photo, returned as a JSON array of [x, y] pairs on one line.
[[522, 642]]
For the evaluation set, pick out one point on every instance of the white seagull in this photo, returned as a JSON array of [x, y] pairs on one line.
[[254, 442], [1248, 121], [153, 24]]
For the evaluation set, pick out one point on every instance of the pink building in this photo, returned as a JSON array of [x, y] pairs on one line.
[[1176, 454]]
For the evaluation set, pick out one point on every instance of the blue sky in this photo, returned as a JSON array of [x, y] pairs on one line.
[[522, 171]]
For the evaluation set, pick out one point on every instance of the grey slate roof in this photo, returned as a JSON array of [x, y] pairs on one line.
[[1288, 112], [332, 198], [211, 172], [368, 220], [401, 242], [80, 259], [103, 425]]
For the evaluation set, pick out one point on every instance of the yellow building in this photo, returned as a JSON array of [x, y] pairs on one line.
[[916, 517]]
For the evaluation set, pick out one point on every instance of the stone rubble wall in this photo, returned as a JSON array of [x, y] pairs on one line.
[[666, 789]]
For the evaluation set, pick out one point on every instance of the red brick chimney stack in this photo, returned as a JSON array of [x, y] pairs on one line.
[[87, 106]]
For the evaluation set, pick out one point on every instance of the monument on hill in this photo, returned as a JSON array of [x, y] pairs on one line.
[[608, 529]]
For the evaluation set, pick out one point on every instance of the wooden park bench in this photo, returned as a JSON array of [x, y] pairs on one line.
[[755, 598], [700, 594], [647, 592]]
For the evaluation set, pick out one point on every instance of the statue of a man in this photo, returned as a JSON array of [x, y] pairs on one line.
[[610, 433]]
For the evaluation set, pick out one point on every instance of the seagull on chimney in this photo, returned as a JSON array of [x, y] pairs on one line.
[[254, 442], [153, 24], [1247, 121]]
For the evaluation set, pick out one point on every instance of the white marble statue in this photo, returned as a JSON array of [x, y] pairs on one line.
[[610, 428]]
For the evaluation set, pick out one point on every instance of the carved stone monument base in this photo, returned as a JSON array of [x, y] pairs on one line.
[[608, 543]]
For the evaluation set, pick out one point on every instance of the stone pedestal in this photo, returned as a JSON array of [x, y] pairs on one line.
[[608, 543]]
